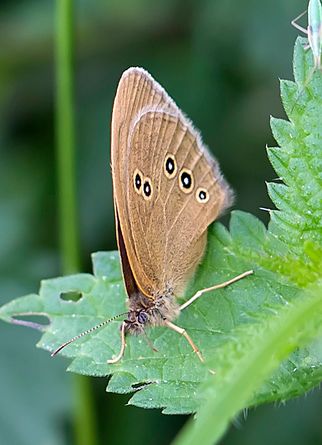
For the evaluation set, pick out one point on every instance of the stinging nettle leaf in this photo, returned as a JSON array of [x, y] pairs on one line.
[[286, 258]]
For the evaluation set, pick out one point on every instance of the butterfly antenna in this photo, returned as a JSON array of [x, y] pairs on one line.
[[88, 331]]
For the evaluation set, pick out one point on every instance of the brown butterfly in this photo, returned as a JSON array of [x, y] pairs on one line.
[[167, 190]]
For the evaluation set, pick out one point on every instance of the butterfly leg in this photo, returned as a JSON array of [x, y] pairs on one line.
[[296, 25], [123, 344], [149, 342], [183, 332], [217, 286]]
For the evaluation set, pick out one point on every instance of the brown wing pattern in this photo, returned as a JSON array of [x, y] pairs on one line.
[[164, 236]]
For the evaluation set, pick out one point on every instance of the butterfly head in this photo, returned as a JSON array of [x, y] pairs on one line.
[[136, 321], [150, 311]]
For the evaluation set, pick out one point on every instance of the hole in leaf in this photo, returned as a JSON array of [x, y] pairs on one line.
[[72, 295], [138, 386]]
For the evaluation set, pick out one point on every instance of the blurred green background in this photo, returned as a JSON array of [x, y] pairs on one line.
[[220, 61]]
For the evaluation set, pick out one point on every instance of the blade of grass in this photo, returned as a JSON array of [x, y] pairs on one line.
[[84, 421]]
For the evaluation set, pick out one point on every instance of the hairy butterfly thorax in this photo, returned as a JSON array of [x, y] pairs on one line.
[[144, 311]]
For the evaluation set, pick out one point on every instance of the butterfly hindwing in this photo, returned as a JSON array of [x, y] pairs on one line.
[[167, 187]]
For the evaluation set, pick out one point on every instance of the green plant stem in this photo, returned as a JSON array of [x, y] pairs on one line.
[[66, 138], [84, 421]]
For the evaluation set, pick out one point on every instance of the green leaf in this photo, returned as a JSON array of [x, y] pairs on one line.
[[232, 326], [253, 356]]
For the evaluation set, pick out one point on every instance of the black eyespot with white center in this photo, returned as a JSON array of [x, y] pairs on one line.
[[170, 166], [202, 195], [147, 189], [186, 181], [137, 181]]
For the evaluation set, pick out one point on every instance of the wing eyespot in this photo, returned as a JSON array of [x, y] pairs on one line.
[[186, 181], [202, 195], [170, 166], [137, 181], [147, 189]]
